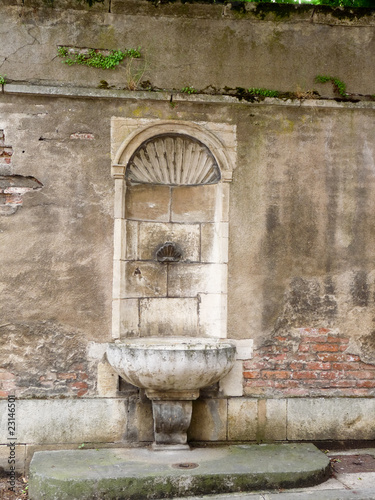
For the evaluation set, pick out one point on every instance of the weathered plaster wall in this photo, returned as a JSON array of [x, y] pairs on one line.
[[301, 220], [193, 44]]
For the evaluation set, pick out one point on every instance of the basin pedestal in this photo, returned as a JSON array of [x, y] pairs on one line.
[[172, 416]]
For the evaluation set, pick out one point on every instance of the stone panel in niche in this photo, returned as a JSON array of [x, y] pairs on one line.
[[173, 159]]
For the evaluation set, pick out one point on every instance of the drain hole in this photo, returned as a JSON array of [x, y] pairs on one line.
[[185, 465]]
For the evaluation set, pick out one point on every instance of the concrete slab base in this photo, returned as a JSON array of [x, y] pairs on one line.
[[145, 474]]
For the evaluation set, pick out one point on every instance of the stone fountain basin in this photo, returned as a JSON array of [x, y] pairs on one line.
[[172, 364]]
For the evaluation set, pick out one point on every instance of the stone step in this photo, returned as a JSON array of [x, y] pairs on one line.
[[140, 473]]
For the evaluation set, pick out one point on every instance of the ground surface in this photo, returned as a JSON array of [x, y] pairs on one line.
[[21, 489]]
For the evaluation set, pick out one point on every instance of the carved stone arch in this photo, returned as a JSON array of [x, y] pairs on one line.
[[173, 159], [192, 132]]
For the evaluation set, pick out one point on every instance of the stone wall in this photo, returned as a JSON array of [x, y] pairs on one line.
[[301, 218]]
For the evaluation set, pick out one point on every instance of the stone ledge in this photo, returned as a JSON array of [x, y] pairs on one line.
[[90, 92]]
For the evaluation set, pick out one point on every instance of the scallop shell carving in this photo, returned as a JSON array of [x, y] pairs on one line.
[[169, 252], [173, 159]]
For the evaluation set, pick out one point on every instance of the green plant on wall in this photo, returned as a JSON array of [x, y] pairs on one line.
[[189, 90], [2, 79], [338, 84], [263, 92], [96, 59]]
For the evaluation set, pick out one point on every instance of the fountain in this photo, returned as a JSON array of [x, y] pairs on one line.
[[172, 370], [169, 327]]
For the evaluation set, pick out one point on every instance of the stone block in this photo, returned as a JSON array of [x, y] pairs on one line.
[[119, 238], [242, 419], [330, 419], [214, 245], [209, 420], [169, 317], [153, 235], [125, 317], [95, 350], [244, 349], [19, 457], [276, 419], [212, 310], [232, 384], [143, 279], [195, 204], [67, 420], [140, 427], [148, 202], [119, 201], [188, 280], [131, 252], [108, 380]]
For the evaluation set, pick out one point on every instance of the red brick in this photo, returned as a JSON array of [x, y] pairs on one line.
[[316, 338], [252, 374], [79, 385], [325, 347], [79, 367], [303, 348], [304, 375], [297, 365], [345, 366], [366, 366], [318, 365], [325, 356], [362, 374], [280, 339], [83, 376], [324, 330], [279, 357], [329, 375], [352, 357], [366, 383], [338, 340], [303, 357], [66, 376], [343, 348], [7, 376], [81, 392], [343, 383], [275, 374], [333, 340], [4, 394]]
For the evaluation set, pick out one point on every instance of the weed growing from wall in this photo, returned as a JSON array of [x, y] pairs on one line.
[[94, 58], [338, 84], [2, 79], [263, 92], [189, 90]]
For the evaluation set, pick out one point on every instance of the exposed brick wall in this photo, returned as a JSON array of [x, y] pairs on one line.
[[72, 383], [6, 153], [308, 362]]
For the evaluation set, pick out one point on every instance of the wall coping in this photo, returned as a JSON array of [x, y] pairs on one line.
[[261, 12], [89, 93]]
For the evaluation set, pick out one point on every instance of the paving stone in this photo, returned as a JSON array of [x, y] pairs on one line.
[[143, 473]]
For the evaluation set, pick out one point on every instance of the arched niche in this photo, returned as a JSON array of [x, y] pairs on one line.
[[171, 186]]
